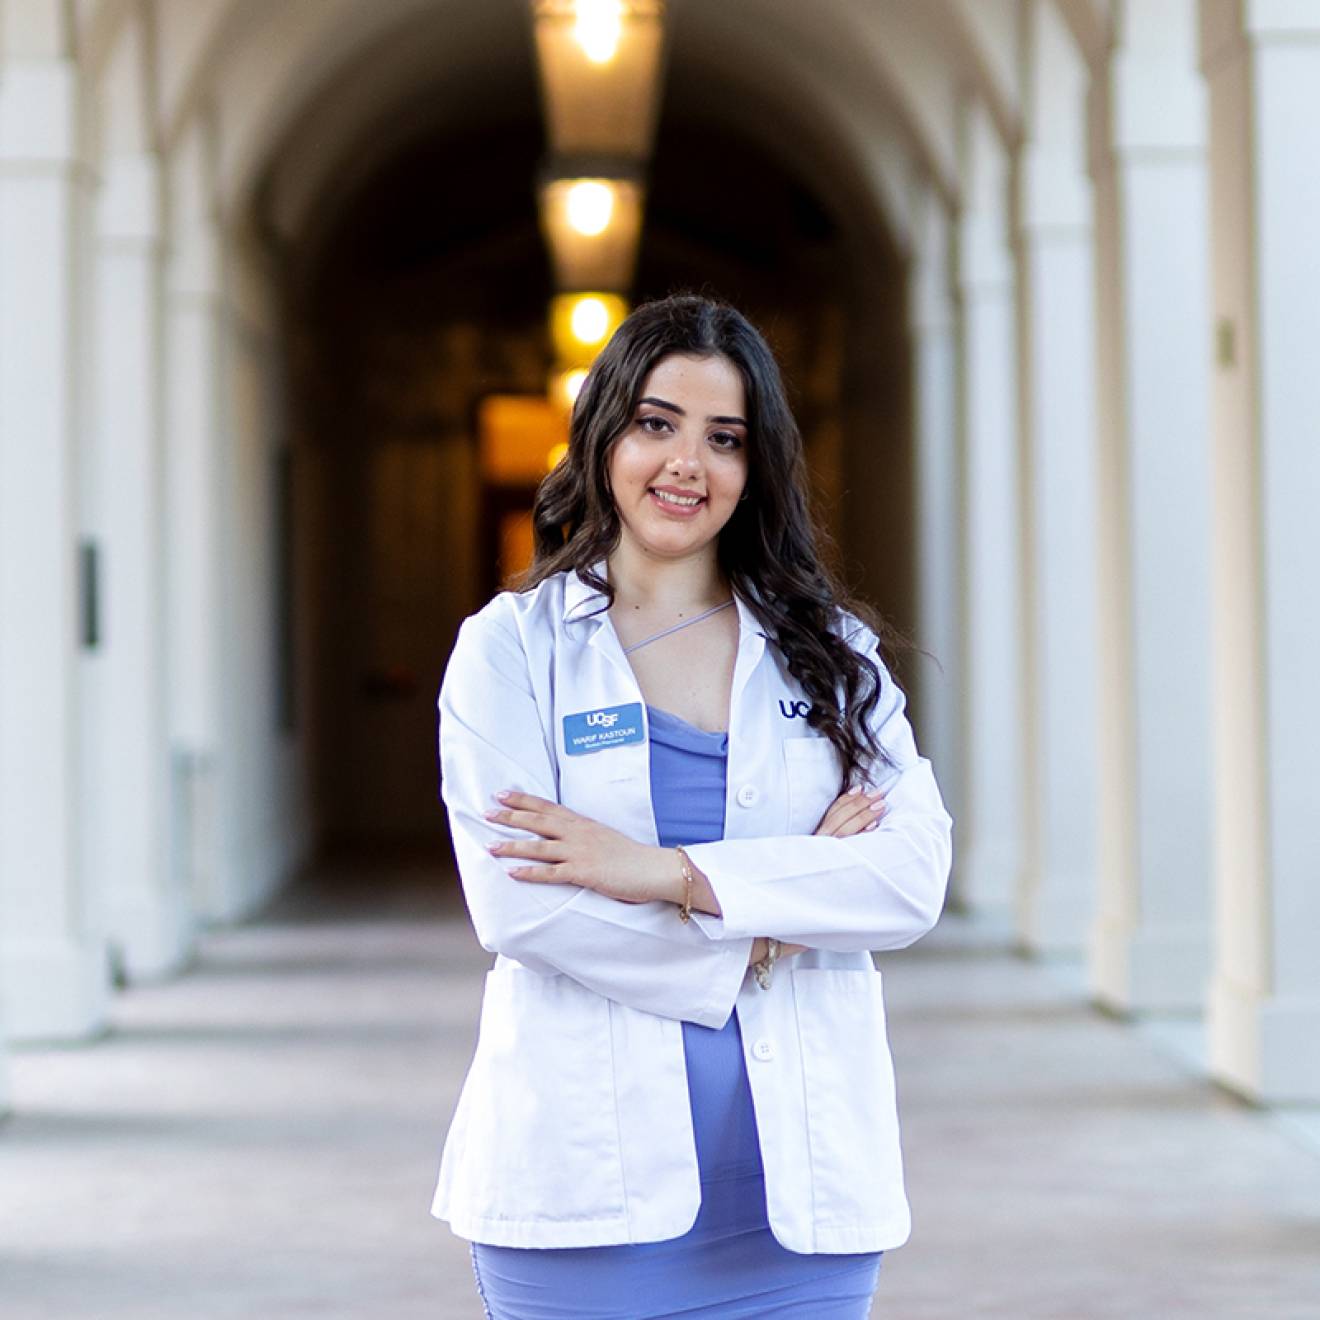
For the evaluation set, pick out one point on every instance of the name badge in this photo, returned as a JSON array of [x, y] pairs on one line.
[[599, 730]]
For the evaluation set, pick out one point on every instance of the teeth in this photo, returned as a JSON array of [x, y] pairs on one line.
[[686, 500]]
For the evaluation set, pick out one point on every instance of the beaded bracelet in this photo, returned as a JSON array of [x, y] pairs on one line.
[[765, 968], [685, 911]]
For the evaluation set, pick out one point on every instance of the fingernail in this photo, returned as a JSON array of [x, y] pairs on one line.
[[504, 794], [871, 826], [493, 847], [877, 806], [493, 815]]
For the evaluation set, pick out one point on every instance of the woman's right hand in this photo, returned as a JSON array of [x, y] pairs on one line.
[[852, 812]]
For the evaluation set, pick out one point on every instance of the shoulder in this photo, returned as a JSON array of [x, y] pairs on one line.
[[858, 634], [511, 629], [520, 614], [865, 643]]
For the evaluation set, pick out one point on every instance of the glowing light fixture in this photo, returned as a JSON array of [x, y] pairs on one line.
[[599, 28], [590, 204], [590, 320], [600, 63], [565, 385], [574, 381], [592, 226], [581, 323]]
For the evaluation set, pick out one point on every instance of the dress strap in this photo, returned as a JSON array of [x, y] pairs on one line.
[[696, 618]]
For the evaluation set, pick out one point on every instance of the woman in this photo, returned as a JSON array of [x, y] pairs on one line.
[[685, 804]]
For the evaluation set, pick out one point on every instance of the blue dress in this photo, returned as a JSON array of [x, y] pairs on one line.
[[728, 1265]]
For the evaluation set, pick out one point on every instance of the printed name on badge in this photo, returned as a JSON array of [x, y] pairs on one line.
[[599, 730]]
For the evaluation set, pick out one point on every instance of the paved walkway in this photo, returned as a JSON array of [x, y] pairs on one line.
[[259, 1138]]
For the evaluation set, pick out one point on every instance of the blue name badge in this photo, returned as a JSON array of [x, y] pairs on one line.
[[599, 730]]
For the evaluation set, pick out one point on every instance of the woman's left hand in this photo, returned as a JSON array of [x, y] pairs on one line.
[[575, 850]]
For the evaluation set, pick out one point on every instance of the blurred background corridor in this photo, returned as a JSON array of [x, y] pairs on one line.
[[294, 296]]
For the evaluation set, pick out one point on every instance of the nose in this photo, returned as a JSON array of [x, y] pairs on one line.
[[685, 460]]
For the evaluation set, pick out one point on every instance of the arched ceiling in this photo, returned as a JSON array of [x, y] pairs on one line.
[[862, 94], [858, 100]]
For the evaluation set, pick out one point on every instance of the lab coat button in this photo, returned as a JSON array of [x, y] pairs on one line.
[[748, 795], [762, 1049]]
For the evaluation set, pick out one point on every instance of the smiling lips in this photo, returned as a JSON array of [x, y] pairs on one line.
[[676, 501]]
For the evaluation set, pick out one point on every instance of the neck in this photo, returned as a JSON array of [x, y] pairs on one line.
[[640, 580]]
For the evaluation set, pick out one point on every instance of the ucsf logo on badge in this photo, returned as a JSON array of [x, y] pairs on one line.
[[599, 730]]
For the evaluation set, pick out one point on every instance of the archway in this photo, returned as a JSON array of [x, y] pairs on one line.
[[415, 284]]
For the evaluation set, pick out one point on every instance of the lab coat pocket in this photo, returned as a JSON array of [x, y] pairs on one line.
[[543, 1110], [848, 1079], [812, 766]]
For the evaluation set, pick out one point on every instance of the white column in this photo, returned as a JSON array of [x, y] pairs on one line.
[[148, 914], [53, 970], [1055, 284], [192, 429], [1262, 63], [1151, 938], [932, 327], [987, 871]]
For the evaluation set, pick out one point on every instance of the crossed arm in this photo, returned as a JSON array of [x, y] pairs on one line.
[[606, 918], [573, 849]]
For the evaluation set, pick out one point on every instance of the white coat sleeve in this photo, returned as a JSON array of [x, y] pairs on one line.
[[877, 890], [492, 737]]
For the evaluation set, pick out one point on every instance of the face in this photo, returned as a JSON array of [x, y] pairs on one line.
[[681, 464]]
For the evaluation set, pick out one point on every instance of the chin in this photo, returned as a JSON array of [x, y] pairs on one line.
[[665, 545]]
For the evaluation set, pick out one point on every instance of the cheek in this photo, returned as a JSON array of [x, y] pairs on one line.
[[622, 465], [733, 478]]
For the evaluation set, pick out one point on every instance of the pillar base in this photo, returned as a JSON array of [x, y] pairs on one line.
[[1056, 918], [1149, 969], [985, 876], [1264, 1048], [53, 990], [153, 941]]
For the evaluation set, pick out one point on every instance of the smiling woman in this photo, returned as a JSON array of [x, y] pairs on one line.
[[674, 760], [680, 468], [687, 399]]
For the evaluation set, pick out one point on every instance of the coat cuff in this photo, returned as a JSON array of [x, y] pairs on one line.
[[726, 981]]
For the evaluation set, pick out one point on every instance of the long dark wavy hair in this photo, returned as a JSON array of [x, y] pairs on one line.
[[769, 548]]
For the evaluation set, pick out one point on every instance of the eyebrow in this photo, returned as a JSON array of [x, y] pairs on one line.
[[682, 412]]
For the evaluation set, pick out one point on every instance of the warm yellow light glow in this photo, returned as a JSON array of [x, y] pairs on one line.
[[599, 28], [581, 324], [600, 63], [590, 205], [592, 225], [565, 385], [590, 320], [555, 456]]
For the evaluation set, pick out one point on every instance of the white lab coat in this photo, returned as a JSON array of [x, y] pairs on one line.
[[573, 1126]]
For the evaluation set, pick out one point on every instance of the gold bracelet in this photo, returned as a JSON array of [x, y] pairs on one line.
[[685, 910], [765, 968]]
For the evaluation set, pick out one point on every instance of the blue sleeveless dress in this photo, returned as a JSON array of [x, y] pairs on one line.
[[728, 1265]]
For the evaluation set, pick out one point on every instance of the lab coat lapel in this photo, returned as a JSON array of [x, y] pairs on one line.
[[751, 646], [613, 785], [746, 724]]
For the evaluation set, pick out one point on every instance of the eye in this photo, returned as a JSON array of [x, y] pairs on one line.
[[660, 427], [726, 440]]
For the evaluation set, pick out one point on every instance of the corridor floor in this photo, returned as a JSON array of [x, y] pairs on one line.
[[259, 1138]]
